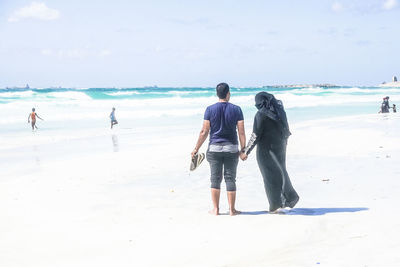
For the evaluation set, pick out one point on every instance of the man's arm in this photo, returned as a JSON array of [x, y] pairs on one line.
[[242, 134], [38, 116], [242, 138], [202, 136]]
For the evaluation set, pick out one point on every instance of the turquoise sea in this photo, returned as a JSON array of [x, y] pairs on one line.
[[76, 121], [301, 103]]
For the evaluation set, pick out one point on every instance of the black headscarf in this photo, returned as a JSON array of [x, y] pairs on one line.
[[268, 105]]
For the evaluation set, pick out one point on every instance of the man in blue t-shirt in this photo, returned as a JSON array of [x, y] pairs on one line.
[[221, 121]]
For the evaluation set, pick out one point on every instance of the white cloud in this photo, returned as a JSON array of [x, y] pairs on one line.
[[390, 4], [65, 53], [104, 53], [35, 10], [75, 53], [337, 7], [72, 53], [47, 52]]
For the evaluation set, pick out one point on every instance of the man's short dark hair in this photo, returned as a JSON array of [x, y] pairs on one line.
[[222, 90]]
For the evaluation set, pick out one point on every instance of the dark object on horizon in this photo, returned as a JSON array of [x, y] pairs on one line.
[[324, 85], [385, 105], [394, 79], [270, 133]]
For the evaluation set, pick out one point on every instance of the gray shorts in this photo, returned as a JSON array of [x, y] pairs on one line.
[[223, 164]]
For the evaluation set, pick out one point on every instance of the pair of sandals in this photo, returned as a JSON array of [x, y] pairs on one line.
[[196, 161]]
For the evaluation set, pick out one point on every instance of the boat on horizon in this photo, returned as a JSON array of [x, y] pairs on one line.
[[18, 88]]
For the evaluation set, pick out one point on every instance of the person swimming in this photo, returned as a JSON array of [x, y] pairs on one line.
[[32, 118]]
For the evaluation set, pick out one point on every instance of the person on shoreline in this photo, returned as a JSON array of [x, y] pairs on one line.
[[394, 108], [112, 117], [385, 105], [32, 117], [221, 121], [270, 133]]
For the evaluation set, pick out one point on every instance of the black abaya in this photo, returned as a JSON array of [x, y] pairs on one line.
[[270, 133]]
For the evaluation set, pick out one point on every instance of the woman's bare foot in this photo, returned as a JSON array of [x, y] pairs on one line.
[[234, 212], [277, 211], [214, 212]]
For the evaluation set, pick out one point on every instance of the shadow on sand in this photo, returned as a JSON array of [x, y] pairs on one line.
[[307, 211]]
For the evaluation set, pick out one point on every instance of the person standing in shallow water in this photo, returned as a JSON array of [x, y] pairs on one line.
[[221, 120], [32, 118], [270, 134], [385, 105], [112, 117]]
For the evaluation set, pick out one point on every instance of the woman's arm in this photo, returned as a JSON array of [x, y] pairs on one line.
[[255, 136]]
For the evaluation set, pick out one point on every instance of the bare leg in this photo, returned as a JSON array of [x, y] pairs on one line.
[[231, 202], [215, 193], [111, 125]]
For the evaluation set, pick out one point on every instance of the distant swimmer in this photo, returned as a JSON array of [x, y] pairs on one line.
[[113, 119], [32, 117], [385, 105]]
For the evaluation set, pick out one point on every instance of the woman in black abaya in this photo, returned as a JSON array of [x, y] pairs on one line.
[[270, 133]]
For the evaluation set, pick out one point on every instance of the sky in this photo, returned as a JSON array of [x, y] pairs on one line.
[[129, 43]]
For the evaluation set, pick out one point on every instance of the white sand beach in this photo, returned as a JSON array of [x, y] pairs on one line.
[[126, 198], [78, 191]]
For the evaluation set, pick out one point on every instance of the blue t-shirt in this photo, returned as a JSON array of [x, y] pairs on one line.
[[223, 117], [112, 116]]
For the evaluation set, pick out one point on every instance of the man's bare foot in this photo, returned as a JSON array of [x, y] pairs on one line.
[[234, 212], [214, 212]]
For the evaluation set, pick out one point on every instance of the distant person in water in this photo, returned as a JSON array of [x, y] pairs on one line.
[[112, 117], [221, 121], [394, 108], [32, 118], [385, 105], [270, 134]]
